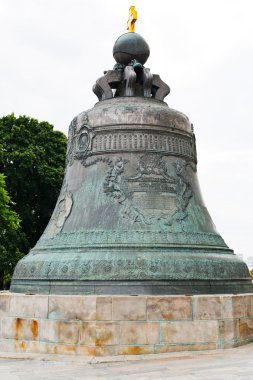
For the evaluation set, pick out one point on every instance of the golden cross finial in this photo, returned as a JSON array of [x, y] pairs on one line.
[[132, 18]]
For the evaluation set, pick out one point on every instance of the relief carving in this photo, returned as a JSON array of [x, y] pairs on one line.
[[91, 238], [143, 141], [158, 194], [85, 143], [152, 164], [113, 179], [79, 143], [70, 147], [61, 213]]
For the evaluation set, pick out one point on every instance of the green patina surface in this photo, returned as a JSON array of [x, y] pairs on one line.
[[130, 216]]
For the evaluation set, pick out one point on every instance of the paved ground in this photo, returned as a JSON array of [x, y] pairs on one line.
[[229, 364]]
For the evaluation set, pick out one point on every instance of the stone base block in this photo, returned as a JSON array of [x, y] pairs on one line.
[[123, 325]]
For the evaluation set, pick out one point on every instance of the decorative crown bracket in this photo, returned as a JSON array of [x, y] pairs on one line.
[[130, 80]]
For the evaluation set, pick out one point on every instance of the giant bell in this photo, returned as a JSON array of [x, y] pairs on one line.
[[130, 218]]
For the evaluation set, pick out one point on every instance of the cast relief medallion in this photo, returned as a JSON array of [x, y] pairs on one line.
[[158, 194]]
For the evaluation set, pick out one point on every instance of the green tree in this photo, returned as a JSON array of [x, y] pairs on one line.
[[251, 272], [32, 157], [10, 236]]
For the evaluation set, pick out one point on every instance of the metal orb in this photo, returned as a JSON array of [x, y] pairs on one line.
[[130, 46]]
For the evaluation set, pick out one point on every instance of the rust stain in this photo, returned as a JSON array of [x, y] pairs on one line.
[[18, 327], [64, 332], [51, 349], [98, 343], [34, 328], [167, 316], [84, 350], [133, 350], [245, 330], [69, 335], [66, 348], [20, 346], [23, 345], [70, 348], [92, 351], [105, 337]]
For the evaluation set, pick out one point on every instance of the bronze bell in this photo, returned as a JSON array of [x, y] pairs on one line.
[[130, 218]]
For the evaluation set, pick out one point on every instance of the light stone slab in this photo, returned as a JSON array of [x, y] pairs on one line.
[[4, 304], [129, 308], [207, 307], [59, 331], [78, 307], [169, 308], [28, 306], [123, 325], [189, 332]]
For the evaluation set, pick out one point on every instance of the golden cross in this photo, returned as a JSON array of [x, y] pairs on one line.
[[132, 18]]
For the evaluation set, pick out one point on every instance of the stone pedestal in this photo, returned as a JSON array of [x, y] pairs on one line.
[[123, 325]]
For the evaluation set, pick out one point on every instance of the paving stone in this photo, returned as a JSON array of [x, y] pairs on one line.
[[233, 364]]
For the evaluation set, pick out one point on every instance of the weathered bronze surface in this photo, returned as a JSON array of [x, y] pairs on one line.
[[130, 218], [130, 46]]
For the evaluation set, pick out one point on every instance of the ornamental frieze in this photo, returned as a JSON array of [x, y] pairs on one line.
[[87, 142]]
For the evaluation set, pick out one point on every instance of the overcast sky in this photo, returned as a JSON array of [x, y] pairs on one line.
[[52, 52]]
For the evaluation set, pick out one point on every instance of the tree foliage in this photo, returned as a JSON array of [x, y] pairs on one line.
[[9, 220], [10, 234], [32, 157]]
